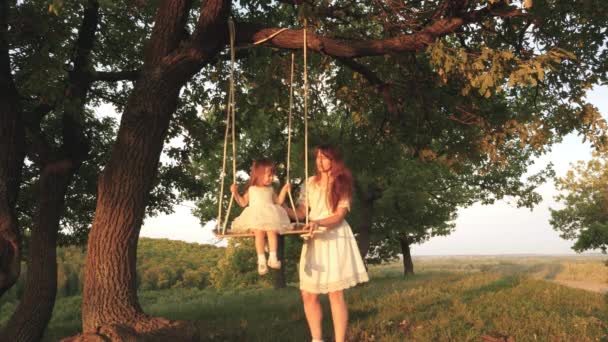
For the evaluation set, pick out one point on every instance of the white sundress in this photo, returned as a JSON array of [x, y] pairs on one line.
[[261, 213], [330, 261]]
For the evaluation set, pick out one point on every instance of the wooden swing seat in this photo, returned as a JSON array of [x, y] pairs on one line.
[[298, 229]]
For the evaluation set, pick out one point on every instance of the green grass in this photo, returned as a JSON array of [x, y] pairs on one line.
[[457, 299]]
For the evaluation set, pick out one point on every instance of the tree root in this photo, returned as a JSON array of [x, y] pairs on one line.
[[149, 329]]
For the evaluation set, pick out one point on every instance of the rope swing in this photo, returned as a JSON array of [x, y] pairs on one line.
[[222, 221]]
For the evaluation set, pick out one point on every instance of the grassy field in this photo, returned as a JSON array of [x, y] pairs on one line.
[[449, 299]]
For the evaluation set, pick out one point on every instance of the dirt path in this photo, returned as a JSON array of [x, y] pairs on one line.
[[584, 285]]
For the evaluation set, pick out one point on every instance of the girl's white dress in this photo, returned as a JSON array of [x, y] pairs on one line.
[[330, 261], [261, 213]]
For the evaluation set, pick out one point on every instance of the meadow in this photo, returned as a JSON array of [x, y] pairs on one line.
[[448, 299]]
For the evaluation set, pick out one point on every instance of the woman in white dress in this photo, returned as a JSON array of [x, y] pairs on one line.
[[330, 261], [263, 215]]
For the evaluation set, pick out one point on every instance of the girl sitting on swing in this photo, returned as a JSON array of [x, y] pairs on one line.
[[264, 214]]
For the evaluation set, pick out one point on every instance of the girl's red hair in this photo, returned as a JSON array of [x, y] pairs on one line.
[[257, 171], [342, 185]]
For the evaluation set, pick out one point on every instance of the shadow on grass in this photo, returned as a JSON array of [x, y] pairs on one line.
[[504, 283], [359, 315]]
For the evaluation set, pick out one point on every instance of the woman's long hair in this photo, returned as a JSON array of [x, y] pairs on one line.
[[342, 186], [257, 171]]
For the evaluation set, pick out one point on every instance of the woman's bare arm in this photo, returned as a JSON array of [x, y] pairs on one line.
[[333, 220]]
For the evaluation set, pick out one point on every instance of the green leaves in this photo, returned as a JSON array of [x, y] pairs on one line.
[[492, 70], [584, 194]]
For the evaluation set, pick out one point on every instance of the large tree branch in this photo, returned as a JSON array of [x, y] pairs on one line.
[[211, 31], [292, 39], [169, 29], [209, 37], [86, 37], [75, 144], [39, 148]]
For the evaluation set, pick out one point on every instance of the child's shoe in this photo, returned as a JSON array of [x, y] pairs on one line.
[[262, 269], [273, 263]]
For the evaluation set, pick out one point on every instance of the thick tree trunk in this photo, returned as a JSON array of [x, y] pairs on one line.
[[408, 264], [365, 227], [110, 306], [11, 161], [368, 197], [109, 294], [36, 306]]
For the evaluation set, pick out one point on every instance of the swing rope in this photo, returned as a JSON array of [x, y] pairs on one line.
[[293, 207], [305, 47], [230, 126], [233, 121], [263, 40]]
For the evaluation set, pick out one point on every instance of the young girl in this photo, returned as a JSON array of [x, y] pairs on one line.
[[263, 215], [330, 261]]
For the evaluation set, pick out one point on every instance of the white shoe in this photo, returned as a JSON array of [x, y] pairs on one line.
[[262, 269], [276, 264]]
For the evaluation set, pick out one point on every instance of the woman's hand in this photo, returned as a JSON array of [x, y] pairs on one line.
[[286, 188], [313, 227], [234, 189]]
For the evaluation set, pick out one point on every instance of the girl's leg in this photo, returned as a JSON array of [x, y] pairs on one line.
[[272, 242], [259, 248], [314, 314], [259, 241], [339, 314], [272, 248]]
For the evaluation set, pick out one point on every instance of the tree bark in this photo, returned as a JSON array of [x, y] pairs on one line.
[[12, 154], [368, 197], [365, 226], [110, 305], [408, 264], [36, 306]]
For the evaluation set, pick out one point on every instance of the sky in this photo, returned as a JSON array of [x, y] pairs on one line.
[[501, 228]]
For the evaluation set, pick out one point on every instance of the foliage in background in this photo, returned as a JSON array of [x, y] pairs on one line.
[[584, 195], [161, 264]]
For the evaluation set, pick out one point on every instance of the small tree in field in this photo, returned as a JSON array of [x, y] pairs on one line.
[[585, 196]]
